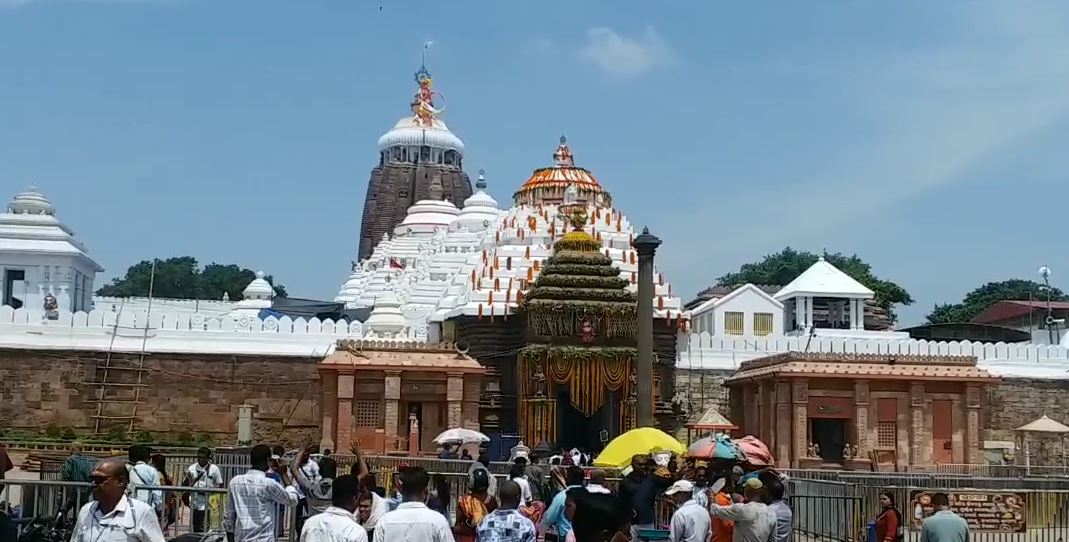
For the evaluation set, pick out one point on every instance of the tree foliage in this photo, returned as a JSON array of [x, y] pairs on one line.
[[983, 297], [182, 278], [784, 266]]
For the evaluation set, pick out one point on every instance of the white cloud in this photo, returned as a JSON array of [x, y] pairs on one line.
[[625, 56]]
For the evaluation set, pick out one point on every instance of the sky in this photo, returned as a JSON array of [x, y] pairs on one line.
[[929, 138]]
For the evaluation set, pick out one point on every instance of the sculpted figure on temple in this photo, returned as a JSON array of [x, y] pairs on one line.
[[538, 380]]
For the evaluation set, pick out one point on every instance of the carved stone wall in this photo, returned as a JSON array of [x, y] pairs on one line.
[[393, 188]]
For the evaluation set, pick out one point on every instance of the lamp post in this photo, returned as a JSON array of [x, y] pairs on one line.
[[646, 245], [1044, 273]]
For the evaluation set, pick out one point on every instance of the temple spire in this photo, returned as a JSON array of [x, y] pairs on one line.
[[563, 155], [480, 183]]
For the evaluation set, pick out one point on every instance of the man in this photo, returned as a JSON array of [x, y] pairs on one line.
[[412, 521], [601, 518], [77, 467], [639, 490], [536, 475], [596, 484], [774, 494], [556, 522], [483, 463], [337, 523], [753, 521], [448, 452], [691, 521], [251, 502], [506, 524], [944, 525], [307, 472], [318, 491], [723, 529], [142, 474], [113, 517], [202, 474]]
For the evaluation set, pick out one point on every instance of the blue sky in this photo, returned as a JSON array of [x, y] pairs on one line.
[[928, 137]]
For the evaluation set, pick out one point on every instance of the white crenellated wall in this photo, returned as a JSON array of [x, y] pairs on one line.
[[183, 332], [1024, 360]]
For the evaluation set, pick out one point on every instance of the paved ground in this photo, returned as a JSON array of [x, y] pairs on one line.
[[13, 494]]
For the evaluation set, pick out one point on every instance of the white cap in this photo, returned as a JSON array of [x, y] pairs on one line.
[[681, 486]]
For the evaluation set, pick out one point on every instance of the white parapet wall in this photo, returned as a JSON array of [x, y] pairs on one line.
[[182, 332], [700, 351]]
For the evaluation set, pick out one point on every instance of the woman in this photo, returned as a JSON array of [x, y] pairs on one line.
[[473, 507], [170, 499], [890, 520], [440, 496]]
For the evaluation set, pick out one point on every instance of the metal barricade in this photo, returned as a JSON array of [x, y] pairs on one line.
[[825, 510], [28, 499]]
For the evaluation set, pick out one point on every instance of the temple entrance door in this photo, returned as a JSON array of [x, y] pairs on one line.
[[942, 431], [574, 430], [830, 435]]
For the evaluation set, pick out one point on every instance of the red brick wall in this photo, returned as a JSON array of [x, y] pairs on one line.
[[198, 394]]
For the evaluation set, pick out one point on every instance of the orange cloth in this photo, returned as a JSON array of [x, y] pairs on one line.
[[722, 529]]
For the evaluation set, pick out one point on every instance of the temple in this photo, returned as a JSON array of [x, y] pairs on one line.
[[419, 159]]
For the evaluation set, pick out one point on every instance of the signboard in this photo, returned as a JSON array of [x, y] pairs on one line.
[[984, 510]]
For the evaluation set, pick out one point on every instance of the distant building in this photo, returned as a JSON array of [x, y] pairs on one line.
[[41, 260], [1030, 316]]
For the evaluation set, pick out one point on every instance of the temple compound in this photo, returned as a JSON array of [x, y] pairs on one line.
[[541, 295], [418, 159]]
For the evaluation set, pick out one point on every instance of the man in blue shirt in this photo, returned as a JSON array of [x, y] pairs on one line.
[[556, 522], [944, 525]]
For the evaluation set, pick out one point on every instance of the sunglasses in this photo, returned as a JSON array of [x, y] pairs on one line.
[[99, 480]]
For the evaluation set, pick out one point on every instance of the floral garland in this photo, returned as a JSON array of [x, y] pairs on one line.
[[559, 318], [580, 294], [581, 281]]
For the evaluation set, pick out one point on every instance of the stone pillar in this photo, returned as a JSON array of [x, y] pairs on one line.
[[800, 401], [809, 311], [957, 439], [918, 444], [646, 245], [329, 409], [972, 423], [799, 313], [346, 388], [470, 410], [783, 425], [391, 394], [861, 417], [454, 397]]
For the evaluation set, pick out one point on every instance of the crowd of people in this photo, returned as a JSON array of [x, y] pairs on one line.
[[709, 506]]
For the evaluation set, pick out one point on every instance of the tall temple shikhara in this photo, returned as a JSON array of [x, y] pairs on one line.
[[419, 159]]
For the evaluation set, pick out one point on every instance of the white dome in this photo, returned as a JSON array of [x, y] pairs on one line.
[[428, 213], [386, 317], [407, 132], [259, 288], [31, 202], [480, 211]]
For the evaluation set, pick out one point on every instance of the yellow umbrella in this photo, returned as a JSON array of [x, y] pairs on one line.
[[644, 440]]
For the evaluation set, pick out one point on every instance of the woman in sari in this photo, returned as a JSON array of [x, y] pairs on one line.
[[473, 507]]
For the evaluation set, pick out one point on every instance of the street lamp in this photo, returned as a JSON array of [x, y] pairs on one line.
[[1044, 273]]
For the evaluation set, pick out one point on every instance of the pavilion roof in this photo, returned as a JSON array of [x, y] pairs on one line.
[[712, 420], [823, 279], [1044, 425], [877, 366], [382, 356]]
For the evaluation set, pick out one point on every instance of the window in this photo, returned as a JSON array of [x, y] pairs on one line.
[[14, 288], [368, 414], [887, 435], [762, 324], [733, 323]]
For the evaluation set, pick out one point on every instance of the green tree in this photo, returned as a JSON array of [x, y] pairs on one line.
[[784, 266], [181, 278], [983, 297]]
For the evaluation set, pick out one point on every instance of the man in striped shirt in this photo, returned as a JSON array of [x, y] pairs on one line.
[[251, 503]]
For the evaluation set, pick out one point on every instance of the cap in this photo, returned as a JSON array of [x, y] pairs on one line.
[[681, 486], [754, 483]]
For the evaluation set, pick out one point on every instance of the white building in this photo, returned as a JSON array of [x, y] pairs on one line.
[[40, 257]]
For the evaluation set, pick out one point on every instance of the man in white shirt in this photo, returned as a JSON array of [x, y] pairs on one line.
[[250, 502], [337, 523], [754, 522], [412, 521], [202, 474], [142, 474], [691, 521], [113, 517]]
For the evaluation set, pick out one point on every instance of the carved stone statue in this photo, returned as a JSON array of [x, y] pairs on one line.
[[848, 452], [538, 380], [814, 449], [51, 306]]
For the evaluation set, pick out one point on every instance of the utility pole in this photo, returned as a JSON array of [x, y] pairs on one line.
[[1052, 337], [646, 245]]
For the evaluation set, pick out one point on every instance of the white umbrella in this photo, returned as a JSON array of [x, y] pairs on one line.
[[460, 435]]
